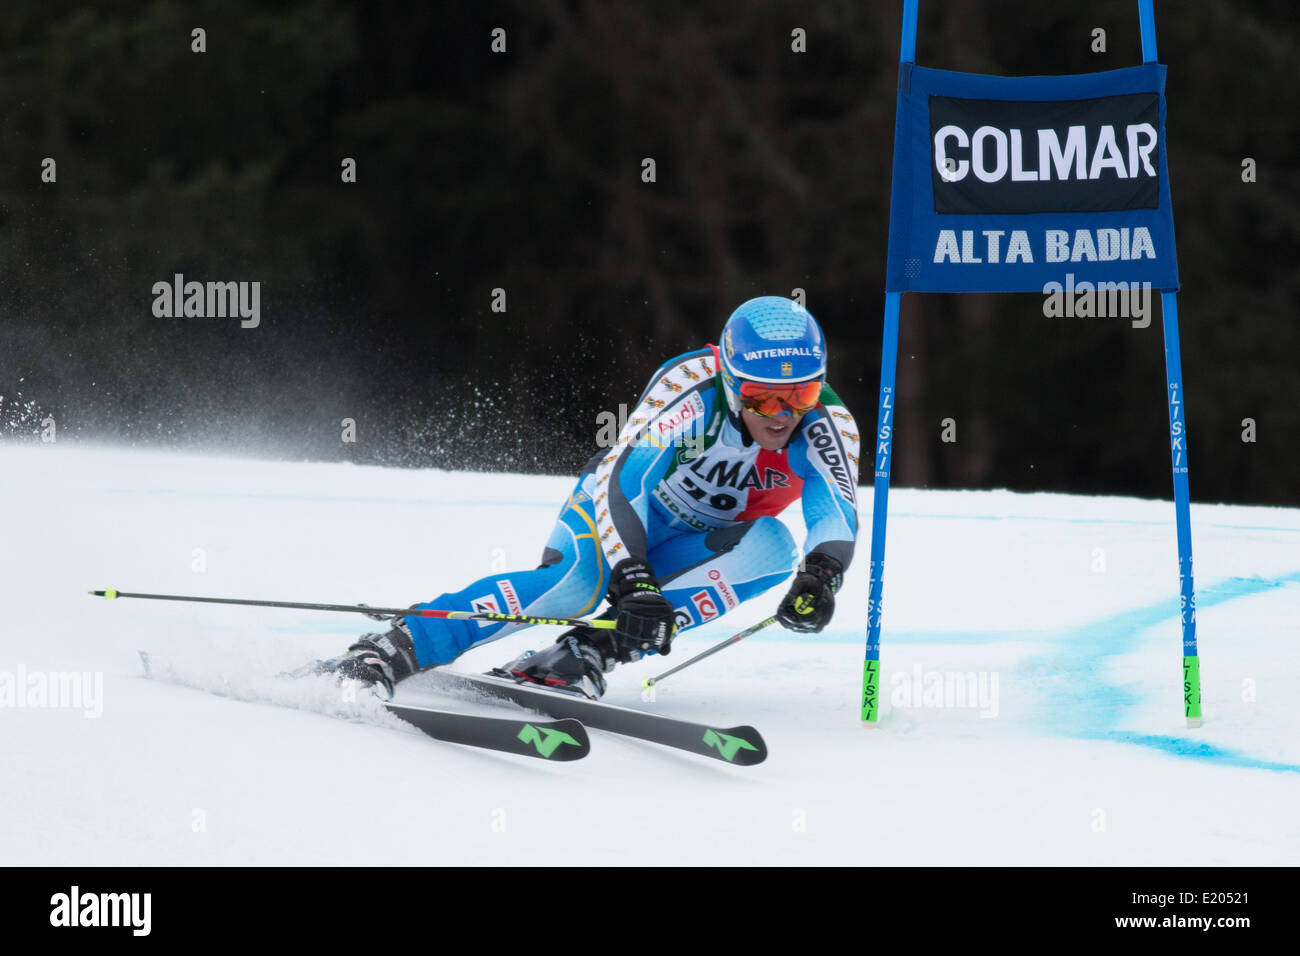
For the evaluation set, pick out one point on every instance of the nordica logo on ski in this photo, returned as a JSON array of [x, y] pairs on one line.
[[814, 352], [548, 744], [727, 745], [997, 156]]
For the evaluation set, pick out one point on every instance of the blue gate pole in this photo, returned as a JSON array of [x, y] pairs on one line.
[[884, 450], [1178, 450], [880, 510], [907, 48], [1182, 509], [1147, 22]]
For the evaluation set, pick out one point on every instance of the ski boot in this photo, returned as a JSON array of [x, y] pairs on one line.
[[377, 660], [576, 663]]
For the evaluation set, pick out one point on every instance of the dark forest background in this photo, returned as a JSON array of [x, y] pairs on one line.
[[521, 171]]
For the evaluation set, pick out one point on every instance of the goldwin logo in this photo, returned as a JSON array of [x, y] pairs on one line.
[[102, 909]]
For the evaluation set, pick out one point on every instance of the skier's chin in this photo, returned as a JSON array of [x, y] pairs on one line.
[[770, 434]]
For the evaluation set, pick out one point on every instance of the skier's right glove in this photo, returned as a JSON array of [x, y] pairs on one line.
[[810, 602], [646, 620]]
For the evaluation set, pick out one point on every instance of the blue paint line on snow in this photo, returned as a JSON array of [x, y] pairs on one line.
[[1193, 749], [1103, 704]]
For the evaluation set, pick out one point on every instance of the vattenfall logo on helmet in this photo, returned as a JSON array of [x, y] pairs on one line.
[[999, 156], [814, 352]]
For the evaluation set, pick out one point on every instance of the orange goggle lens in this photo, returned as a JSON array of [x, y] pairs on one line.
[[771, 400]]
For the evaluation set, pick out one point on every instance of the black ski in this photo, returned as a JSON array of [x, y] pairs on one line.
[[547, 740], [736, 745]]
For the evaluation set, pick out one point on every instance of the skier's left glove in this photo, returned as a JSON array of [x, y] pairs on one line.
[[646, 620], [810, 603]]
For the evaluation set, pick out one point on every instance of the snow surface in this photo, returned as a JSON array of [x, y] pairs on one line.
[[1065, 607]]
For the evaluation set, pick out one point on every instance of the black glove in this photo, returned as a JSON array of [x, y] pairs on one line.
[[810, 602], [646, 620]]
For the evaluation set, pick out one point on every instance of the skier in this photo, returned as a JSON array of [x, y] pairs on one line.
[[675, 525]]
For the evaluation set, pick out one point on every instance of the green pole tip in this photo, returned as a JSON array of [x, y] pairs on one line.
[[110, 593], [648, 683]]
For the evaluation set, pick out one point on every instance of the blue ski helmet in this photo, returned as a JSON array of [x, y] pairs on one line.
[[772, 340]]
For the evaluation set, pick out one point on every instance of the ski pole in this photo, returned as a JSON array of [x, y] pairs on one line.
[[651, 681], [378, 613]]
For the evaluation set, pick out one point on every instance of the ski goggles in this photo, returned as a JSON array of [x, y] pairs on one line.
[[770, 400]]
